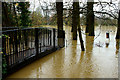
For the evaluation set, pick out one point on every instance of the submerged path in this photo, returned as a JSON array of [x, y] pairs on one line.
[[100, 60]]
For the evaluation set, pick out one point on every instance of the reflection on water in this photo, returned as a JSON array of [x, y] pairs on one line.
[[107, 44], [117, 46], [98, 61]]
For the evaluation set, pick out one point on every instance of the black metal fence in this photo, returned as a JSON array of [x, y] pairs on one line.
[[19, 45]]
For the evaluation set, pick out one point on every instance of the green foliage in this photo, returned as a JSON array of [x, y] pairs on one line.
[[53, 20], [16, 14], [37, 19], [24, 14], [8, 17], [4, 63]]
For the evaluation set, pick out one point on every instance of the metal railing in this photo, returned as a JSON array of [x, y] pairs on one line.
[[24, 44]]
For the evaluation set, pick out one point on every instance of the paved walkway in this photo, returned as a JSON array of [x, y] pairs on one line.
[[100, 60]]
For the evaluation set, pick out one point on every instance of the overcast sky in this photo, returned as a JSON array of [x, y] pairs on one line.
[[36, 3]]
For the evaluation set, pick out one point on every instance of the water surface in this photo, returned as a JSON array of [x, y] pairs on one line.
[[99, 60]]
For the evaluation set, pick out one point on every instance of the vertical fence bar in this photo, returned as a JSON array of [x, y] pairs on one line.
[[40, 47], [16, 47], [10, 48], [13, 46], [25, 39], [25, 44], [11, 39], [22, 45], [43, 37], [50, 38], [40, 39], [31, 38], [19, 34], [36, 42], [54, 38]]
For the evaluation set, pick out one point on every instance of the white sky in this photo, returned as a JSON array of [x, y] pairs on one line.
[[36, 3]]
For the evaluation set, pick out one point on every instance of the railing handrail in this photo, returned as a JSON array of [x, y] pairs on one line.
[[27, 29]]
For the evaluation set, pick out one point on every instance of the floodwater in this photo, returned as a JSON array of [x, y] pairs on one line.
[[99, 60]]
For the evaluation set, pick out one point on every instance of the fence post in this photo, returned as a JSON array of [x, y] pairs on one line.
[[54, 38], [36, 42]]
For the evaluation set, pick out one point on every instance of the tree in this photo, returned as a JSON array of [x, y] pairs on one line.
[[7, 15], [79, 28], [76, 23], [53, 19], [74, 20], [24, 14], [59, 8], [15, 14], [118, 29], [37, 19], [90, 19]]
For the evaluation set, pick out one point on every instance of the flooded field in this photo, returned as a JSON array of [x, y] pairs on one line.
[[99, 60]]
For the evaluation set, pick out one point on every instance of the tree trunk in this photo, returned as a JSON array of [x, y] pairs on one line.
[[59, 8], [79, 28], [15, 14], [5, 18], [74, 21], [80, 36], [87, 22], [90, 19], [118, 29]]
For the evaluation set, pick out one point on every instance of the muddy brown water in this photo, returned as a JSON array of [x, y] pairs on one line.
[[99, 60]]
